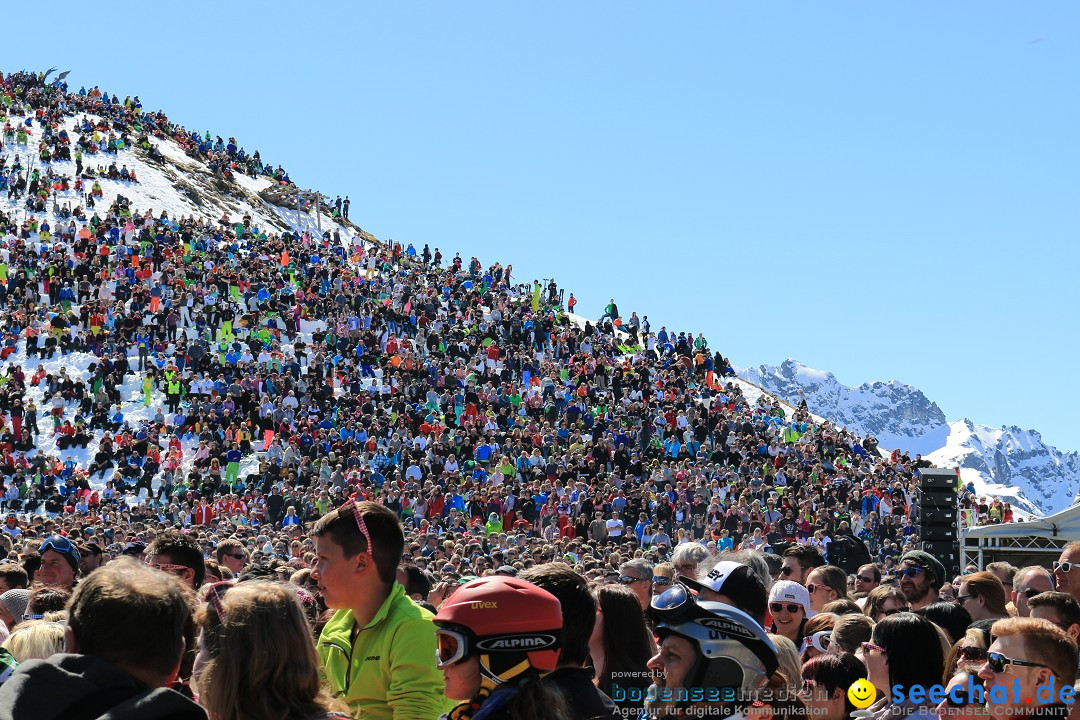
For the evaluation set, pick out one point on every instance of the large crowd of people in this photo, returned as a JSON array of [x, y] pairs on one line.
[[370, 434]]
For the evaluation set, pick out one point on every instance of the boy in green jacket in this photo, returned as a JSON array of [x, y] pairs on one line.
[[378, 650]]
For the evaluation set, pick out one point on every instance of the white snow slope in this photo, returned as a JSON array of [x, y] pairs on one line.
[[181, 186]]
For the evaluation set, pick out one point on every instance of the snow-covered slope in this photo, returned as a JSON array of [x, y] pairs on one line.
[[1009, 463], [180, 186]]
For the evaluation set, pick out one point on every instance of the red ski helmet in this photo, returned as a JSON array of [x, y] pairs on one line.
[[512, 625]]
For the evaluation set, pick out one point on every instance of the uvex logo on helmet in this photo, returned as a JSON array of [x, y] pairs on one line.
[[517, 642], [727, 627]]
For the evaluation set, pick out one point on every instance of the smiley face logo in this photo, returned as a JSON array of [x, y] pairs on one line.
[[862, 693]]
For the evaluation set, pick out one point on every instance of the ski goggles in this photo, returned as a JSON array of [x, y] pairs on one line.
[[819, 641], [60, 544], [452, 646], [676, 605]]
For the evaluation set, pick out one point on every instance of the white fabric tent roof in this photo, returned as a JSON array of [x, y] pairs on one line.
[[1063, 526]]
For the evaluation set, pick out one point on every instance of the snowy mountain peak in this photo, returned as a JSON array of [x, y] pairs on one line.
[[899, 415], [1010, 463]]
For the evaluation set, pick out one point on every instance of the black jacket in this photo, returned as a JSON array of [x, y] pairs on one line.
[[82, 687], [586, 701]]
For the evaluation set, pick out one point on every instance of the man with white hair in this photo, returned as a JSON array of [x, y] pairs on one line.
[[687, 557], [1027, 583], [637, 575]]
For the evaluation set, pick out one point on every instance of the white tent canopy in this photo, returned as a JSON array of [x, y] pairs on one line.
[[1038, 541], [1064, 525]]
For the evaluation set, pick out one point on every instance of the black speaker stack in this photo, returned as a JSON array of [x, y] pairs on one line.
[[939, 518]]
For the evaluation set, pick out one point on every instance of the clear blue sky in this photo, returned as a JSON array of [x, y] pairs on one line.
[[884, 190]]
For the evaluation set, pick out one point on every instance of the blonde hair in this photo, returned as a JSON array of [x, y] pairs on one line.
[[664, 569], [35, 640], [262, 661], [790, 662]]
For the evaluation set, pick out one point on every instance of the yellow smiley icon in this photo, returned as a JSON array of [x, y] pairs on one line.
[[862, 693]]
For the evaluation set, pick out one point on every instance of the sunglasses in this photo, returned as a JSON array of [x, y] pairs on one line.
[[660, 580], [1064, 566], [869, 647], [1030, 593], [792, 608], [997, 662], [912, 572], [970, 653], [812, 588], [786, 570], [629, 579], [959, 599], [860, 578], [237, 556]]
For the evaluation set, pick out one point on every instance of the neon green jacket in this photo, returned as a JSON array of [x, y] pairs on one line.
[[389, 672]]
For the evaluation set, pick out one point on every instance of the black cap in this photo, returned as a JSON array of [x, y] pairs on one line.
[[134, 548]]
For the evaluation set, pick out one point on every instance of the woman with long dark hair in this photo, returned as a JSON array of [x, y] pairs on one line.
[[904, 651], [620, 646]]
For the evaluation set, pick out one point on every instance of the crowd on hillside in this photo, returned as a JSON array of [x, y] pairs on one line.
[[236, 383]]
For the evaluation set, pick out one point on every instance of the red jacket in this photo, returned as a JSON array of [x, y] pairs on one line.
[[203, 515]]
